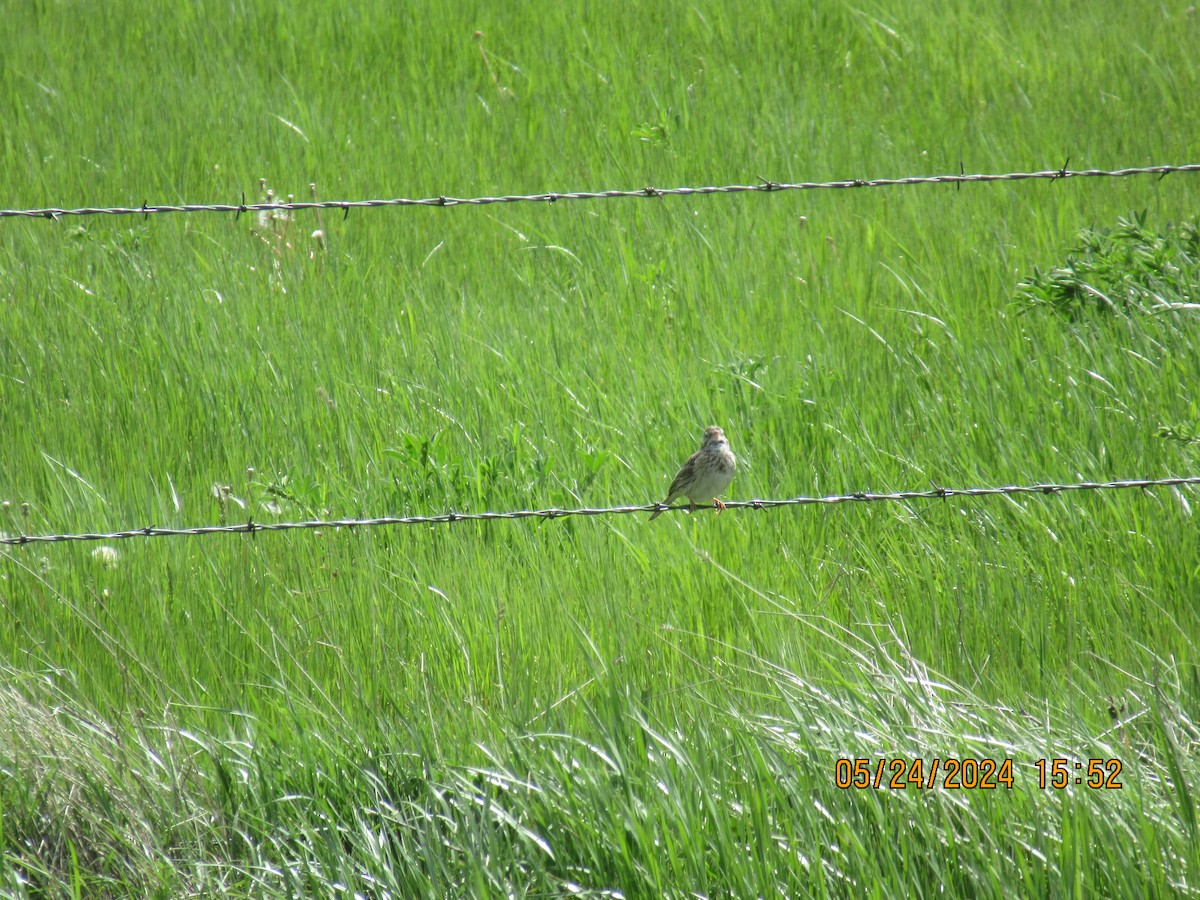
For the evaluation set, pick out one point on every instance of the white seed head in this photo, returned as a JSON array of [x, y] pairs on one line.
[[105, 555]]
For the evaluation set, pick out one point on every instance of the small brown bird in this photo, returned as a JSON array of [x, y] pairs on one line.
[[706, 474]]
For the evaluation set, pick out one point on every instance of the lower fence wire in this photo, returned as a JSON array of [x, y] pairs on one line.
[[936, 493]]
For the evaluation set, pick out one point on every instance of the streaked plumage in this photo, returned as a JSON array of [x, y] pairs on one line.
[[706, 474]]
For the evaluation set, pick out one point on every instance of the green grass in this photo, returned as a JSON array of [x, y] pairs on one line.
[[599, 704]]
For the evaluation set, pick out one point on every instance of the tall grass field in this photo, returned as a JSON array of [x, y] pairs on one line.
[[862, 699]]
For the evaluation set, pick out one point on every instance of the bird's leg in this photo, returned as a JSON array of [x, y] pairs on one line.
[[717, 506], [692, 507]]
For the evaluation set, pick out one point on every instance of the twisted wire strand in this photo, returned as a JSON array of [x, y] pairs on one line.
[[936, 493], [764, 186]]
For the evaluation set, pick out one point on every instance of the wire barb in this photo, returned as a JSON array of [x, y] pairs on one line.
[[936, 493]]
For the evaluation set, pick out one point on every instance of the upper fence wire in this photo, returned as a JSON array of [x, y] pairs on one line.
[[936, 493], [764, 186]]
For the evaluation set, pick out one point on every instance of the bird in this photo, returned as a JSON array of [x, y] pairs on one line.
[[707, 472]]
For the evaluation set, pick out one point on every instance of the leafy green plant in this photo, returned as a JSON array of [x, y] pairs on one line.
[[1182, 434], [1128, 268]]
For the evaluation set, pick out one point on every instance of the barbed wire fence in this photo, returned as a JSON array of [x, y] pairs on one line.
[[764, 186], [936, 493]]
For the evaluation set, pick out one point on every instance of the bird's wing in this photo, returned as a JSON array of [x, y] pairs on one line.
[[682, 478]]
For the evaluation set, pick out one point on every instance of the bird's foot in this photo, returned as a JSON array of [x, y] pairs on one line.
[[717, 506]]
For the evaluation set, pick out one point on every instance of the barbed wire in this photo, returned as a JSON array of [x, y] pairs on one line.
[[764, 186], [936, 493]]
